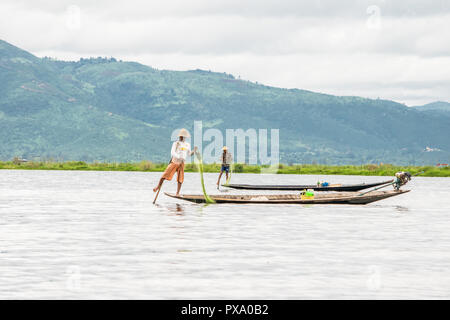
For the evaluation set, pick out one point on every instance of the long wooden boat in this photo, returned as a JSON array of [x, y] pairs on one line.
[[331, 187], [321, 198]]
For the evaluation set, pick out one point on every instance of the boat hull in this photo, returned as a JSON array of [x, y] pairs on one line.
[[339, 188], [329, 198]]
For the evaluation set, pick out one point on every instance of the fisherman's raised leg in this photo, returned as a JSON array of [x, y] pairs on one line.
[[159, 185]]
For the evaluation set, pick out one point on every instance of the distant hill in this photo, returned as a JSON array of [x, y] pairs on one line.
[[435, 106], [109, 110]]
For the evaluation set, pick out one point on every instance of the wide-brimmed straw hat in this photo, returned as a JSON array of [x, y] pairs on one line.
[[225, 148], [184, 133]]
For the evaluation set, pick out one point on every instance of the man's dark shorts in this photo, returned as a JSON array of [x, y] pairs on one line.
[[225, 168]]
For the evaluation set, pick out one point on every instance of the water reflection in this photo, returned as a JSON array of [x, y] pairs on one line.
[[177, 209], [401, 208]]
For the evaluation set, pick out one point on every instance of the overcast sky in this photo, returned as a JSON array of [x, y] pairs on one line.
[[391, 49]]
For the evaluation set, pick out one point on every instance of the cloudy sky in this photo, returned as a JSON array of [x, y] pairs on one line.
[[391, 49]]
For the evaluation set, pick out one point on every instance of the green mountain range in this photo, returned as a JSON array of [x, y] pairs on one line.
[[101, 109]]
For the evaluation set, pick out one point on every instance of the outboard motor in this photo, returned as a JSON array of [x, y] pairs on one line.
[[401, 178]]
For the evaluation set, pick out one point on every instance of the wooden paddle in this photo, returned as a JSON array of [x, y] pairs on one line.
[[387, 184], [156, 197], [382, 186], [231, 172]]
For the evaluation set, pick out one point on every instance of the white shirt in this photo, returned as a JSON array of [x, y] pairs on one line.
[[180, 151]]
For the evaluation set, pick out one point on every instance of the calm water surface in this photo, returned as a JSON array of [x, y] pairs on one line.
[[96, 235]]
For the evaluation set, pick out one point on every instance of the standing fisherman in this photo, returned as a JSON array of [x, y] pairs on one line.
[[226, 159], [180, 150]]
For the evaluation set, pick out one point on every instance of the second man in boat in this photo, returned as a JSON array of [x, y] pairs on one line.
[[226, 158]]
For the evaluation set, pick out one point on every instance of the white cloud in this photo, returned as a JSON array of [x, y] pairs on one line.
[[326, 46]]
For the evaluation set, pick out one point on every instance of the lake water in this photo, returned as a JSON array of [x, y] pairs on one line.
[[96, 235]]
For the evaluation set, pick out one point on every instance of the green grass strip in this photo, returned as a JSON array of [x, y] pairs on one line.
[[311, 169]]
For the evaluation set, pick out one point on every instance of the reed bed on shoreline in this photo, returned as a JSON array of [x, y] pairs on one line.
[[148, 166]]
